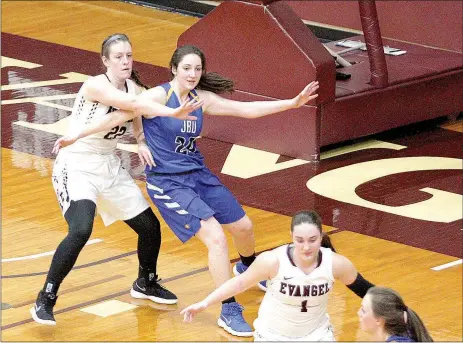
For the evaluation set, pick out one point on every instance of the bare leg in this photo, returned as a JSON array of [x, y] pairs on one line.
[[212, 235], [243, 236]]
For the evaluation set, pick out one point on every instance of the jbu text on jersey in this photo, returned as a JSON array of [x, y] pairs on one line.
[[189, 126]]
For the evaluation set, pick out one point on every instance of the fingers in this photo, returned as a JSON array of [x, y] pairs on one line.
[[311, 87], [57, 146], [198, 104], [146, 158], [55, 149], [187, 318], [193, 105], [142, 159], [151, 161]]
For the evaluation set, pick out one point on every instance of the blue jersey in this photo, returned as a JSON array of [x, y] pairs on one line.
[[172, 142], [395, 338]]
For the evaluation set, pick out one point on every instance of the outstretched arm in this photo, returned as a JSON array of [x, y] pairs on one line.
[[98, 89], [264, 267], [217, 105], [116, 118], [345, 271]]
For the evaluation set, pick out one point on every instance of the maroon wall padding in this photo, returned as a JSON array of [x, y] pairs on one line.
[[404, 103], [270, 54], [372, 33], [266, 50]]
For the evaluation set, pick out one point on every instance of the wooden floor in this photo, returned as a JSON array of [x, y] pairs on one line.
[[32, 225]]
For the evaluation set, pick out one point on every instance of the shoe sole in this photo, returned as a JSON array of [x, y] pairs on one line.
[[139, 295], [40, 321], [224, 326], [236, 273]]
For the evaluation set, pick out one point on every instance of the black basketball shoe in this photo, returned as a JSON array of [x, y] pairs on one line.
[[153, 291], [42, 312]]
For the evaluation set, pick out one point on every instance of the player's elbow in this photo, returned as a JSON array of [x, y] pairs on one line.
[[137, 107], [240, 285]]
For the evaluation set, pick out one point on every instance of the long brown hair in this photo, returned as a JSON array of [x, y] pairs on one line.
[[115, 38], [389, 305], [312, 217], [213, 82]]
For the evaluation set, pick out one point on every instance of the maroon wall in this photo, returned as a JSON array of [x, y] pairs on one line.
[[267, 52], [433, 23]]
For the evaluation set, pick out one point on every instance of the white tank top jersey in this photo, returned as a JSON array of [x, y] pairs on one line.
[[85, 112], [295, 303]]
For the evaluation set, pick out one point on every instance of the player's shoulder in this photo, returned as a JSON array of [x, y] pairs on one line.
[[269, 261], [95, 83], [157, 94], [203, 94], [138, 89]]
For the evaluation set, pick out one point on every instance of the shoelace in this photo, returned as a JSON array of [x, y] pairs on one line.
[[47, 304], [157, 285], [235, 310]]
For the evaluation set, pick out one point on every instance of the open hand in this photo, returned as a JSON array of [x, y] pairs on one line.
[[308, 93], [64, 142], [192, 310], [183, 112], [145, 155]]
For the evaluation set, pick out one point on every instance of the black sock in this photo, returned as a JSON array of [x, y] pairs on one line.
[[51, 286], [248, 260], [148, 275], [229, 300]]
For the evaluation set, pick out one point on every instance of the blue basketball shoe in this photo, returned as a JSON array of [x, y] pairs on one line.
[[231, 320]]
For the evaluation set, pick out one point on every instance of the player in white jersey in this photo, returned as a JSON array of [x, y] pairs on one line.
[[300, 276], [89, 175]]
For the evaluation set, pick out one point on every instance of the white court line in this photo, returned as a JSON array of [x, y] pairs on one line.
[[30, 257], [447, 265]]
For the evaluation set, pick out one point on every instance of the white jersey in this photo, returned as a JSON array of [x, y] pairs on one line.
[[90, 168], [295, 303], [86, 112]]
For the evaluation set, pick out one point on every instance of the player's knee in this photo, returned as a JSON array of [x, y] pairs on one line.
[[145, 224], [80, 231], [80, 218], [218, 242], [245, 226]]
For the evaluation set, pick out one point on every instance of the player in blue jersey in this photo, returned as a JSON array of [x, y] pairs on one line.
[[386, 318], [191, 199]]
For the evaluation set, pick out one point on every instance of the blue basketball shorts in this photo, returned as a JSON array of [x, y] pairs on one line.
[[184, 199]]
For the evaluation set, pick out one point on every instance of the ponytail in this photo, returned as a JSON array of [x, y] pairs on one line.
[[399, 319], [326, 242], [136, 78], [215, 83], [416, 328]]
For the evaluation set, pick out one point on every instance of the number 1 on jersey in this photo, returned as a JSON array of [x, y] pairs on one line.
[[304, 306]]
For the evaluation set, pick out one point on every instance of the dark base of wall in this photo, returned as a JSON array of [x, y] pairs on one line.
[[197, 9]]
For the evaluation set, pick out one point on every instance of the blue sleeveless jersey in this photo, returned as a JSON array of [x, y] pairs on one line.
[[395, 338], [172, 141]]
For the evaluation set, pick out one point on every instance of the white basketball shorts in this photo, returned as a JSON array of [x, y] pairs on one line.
[[101, 179]]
